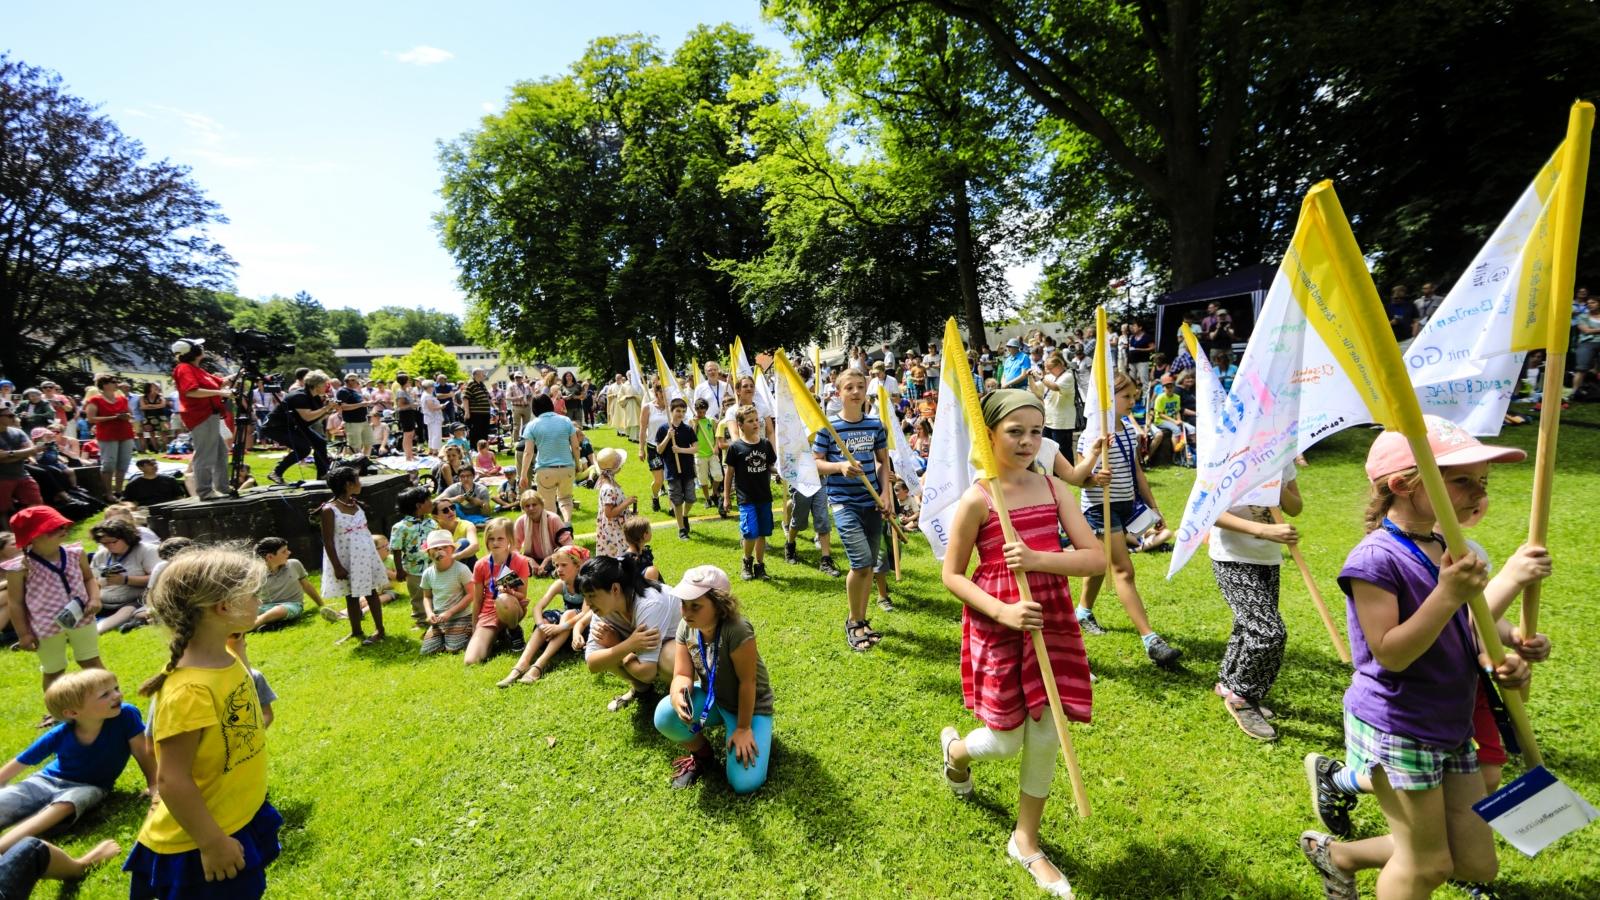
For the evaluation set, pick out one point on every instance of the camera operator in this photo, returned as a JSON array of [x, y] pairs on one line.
[[291, 421], [201, 405]]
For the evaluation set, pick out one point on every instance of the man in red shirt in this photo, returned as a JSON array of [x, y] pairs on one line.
[[200, 405]]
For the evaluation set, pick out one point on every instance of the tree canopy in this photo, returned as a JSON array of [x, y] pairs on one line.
[[103, 254]]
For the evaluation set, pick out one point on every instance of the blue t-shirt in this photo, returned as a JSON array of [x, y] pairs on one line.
[[98, 764], [1014, 367], [864, 439], [551, 433]]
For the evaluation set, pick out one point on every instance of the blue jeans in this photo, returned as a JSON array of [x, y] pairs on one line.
[[743, 780], [22, 866], [812, 510], [859, 530]]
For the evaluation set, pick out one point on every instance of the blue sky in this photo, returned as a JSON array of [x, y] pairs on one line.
[[314, 125]]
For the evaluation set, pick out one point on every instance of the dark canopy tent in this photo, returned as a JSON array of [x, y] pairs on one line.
[[1232, 291]]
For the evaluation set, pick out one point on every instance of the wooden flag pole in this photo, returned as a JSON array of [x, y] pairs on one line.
[[1080, 792], [894, 543], [1339, 645], [844, 451]]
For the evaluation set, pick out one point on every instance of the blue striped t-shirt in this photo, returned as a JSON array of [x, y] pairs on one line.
[[864, 439]]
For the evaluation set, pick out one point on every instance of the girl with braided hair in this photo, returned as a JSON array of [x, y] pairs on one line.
[[213, 821]]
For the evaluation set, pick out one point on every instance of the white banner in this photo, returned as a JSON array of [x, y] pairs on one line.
[[1535, 811], [900, 452], [797, 465], [949, 470]]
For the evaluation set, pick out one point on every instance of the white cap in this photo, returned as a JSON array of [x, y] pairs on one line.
[[184, 346]]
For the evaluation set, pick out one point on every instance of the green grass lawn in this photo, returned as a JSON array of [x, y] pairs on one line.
[[402, 777]]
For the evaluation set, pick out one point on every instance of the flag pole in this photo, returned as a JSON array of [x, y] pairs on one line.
[[1103, 387], [1568, 219], [1339, 645], [866, 482], [980, 440]]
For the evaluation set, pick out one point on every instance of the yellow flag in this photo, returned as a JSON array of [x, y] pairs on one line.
[[883, 413], [669, 381], [971, 406], [694, 366], [1568, 208], [806, 405], [1190, 342]]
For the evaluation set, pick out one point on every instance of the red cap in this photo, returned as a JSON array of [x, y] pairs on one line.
[[34, 521]]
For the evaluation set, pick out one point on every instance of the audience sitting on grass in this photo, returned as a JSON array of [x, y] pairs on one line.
[[539, 533], [555, 628], [150, 487], [286, 583], [123, 565], [91, 747], [406, 538], [462, 531], [471, 498], [128, 513], [446, 596], [499, 595]]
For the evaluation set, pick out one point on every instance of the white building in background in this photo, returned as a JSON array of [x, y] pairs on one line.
[[468, 356]]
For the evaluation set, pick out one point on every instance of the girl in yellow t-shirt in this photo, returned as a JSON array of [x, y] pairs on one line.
[[213, 822]]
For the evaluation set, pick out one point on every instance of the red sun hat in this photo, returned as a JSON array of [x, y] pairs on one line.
[[31, 523], [1450, 443]]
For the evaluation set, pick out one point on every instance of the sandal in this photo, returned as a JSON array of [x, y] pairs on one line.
[[373, 638], [872, 635], [856, 634], [1337, 884], [511, 679], [623, 701], [529, 677], [1058, 888], [962, 789]]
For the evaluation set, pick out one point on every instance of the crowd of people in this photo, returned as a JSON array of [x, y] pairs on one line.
[[484, 577]]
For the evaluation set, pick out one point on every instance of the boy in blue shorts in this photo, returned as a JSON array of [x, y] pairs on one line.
[[91, 746], [857, 517], [751, 461]]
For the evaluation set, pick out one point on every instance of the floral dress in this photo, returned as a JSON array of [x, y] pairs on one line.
[[353, 541], [608, 539]]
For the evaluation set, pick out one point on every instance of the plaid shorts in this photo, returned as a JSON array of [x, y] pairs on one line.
[[1410, 765]]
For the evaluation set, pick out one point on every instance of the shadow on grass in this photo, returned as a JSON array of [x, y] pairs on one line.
[[296, 812], [1172, 868], [940, 648], [796, 780]]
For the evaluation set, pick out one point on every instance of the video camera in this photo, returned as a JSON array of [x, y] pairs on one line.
[[251, 346]]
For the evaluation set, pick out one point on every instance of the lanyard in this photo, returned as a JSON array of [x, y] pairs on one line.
[[61, 570], [710, 667], [1412, 548]]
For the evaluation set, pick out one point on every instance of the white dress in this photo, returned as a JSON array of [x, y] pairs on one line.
[[353, 541]]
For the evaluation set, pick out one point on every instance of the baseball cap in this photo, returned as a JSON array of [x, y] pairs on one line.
[[438, 538], [1013, 343], [41, 434], [34, 521], [700, 579], [183, 346], [1450, 443], [6, 383]]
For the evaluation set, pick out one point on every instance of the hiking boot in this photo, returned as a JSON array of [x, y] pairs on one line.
[[1160, 652], [515, 640], [686, 770], [1331, 805], [722, 510], [1250, 720], [683, 534], [827, 567], [760, 571], [1088, 623], [276, 478], [748, 570], [655, 504], [789, 554]]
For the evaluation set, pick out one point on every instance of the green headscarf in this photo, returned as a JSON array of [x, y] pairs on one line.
[[999, 404]]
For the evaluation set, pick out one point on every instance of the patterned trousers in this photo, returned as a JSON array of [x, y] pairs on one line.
[[1255, 647]]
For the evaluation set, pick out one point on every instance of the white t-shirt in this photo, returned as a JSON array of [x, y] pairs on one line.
[[733, 424], [653, 418], [656, 609], [1236, 547], [1061, 405]]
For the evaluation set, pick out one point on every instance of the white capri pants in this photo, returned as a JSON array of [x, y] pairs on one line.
[[1036, 740]]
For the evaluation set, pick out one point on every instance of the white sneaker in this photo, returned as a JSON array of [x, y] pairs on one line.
[[962, 789], [1057, 888]]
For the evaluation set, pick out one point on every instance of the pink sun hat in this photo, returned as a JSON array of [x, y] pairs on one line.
[[1450, 443]]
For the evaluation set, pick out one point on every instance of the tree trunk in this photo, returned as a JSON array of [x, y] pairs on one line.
[[1192, 216], [967, 265]]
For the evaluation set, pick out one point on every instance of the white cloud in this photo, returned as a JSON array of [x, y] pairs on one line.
[[422, 55], [490, 107]]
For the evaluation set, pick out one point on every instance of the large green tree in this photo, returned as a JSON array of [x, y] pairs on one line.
[[103, 254], [589, 210]]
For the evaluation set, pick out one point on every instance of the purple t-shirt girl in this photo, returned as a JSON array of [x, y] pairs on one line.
[[1431, 700]]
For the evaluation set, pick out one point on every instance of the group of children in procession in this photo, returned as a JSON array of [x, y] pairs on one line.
[[1413, 711]]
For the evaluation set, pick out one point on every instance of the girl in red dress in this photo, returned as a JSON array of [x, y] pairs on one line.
[[1000, 679]]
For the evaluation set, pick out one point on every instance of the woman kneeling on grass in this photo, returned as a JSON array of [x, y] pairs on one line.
[[632, 613], [1000, 676], [555, 625], [717, 647]]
